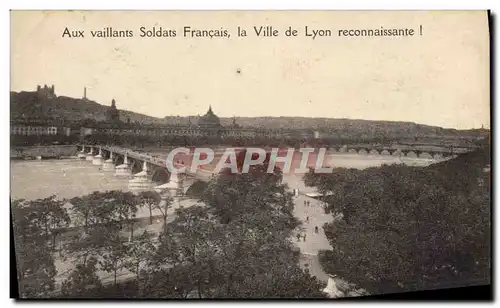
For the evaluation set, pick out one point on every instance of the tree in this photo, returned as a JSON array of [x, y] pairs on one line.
[[35, 264], [236, 246], [82, 280], [50, 216], [139, 251], [163, 207], [432, 224], [109, 208], [125, 207], [150, 199], [113, 256], [89, 244], [84, 208]]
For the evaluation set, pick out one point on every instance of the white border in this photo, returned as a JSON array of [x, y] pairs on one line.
[[178, 4]]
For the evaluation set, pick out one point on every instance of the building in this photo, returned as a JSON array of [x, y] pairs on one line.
[[208, 125], [46, 92], [209, 120], [112, 114], [28, 130]]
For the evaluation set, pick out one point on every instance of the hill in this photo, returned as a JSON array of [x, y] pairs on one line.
[[32, 105]]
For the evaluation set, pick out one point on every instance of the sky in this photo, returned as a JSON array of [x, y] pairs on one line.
[[439, 78]]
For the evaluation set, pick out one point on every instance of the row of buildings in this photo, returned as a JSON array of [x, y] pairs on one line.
[[34, 130], [207, 125]]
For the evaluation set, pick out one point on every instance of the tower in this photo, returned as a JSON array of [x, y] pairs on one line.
[[112, 114], [84, 92]]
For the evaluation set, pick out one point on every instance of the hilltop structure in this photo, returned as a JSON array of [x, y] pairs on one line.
[[112, 114], [46, 92], [85, 94]]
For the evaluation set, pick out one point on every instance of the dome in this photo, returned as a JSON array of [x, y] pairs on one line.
[[209, 119]]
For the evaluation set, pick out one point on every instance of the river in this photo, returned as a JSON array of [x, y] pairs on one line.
[[71, 177]]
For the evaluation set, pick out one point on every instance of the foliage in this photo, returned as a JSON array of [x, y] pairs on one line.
[[50, 216], [82, 280], [149, 199], [234, 247], [430, 224], [204, 252], [113, 256], [35, 264], [139, 251]]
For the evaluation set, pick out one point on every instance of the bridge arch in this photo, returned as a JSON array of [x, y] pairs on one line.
[[135, 165], [412, 154], [160, 175], [118, 159]]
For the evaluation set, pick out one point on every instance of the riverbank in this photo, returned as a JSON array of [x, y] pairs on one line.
[[42, 152]]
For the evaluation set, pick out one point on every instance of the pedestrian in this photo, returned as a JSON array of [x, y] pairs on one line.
[[316, 229], [304, 237], [298, 237], [305, 202], [307, 218]]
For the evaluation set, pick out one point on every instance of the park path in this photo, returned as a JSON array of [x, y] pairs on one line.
[[314, 242]]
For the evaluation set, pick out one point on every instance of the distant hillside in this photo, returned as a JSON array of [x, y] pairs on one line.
[[341, 127], [30, 105]]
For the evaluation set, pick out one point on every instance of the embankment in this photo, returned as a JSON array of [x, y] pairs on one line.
[[45, 152]]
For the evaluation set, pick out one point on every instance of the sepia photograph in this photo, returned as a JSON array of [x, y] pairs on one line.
[[249, 154]]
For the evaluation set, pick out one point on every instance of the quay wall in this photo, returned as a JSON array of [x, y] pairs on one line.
[[51, 151]]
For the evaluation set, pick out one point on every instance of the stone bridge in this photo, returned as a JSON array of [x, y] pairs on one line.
[[148, 172], [145, 172], [427, 151]]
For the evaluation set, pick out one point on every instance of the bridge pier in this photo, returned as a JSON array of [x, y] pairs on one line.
[[90, 155], [97, 161], [81, 154], [109, 165], [141, 180], [170, 189], [124, 169]]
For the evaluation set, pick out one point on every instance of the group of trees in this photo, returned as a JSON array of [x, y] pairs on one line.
[[409, 228], [35, 226], [232, 245], [93, 231]]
